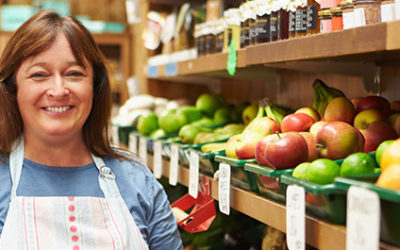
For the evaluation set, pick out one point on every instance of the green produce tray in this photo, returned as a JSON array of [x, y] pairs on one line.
[[390, 207], [184, 150], [123, 134], [268, 181], [239, 176], [208, 166], [326, 202]]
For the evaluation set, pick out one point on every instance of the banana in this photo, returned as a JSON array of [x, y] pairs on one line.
[[323, 94], [275, 112]]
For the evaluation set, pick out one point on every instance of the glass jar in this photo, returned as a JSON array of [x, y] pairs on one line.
[[210, 38], [252, 23], [275, 7], [262, 22], [301, 19], [388, 11], [200, 39], [313, 24], [219, 43], [348, 16], [283, 24], [327, 4], [244, 26], [371, 10], [337, 19], [292, 24], [325, 19]]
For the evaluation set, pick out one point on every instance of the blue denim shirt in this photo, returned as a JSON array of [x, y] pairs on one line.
[[144, 196]]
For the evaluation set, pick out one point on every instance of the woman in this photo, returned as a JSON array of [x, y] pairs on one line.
[[62, 186]]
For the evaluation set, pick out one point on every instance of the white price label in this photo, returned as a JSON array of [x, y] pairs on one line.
[[157, 160], [224, 185], [363, 219], [173, 165], [133, 143], [348, 20], [397, 9], [114, 135], [388, 12], [359, 17], [143, 149], [295, 217], [193, 174]]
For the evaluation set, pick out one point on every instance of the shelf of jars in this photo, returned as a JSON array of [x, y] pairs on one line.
[[377, 44], [319, 234]]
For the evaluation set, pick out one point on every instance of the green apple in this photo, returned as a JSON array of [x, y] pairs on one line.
[[147, 123]]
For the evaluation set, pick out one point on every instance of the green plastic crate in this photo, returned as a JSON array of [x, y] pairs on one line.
[[239, 176], [390, 207], [268, 181]]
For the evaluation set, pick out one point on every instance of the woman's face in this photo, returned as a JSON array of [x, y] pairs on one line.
[[54, 93]]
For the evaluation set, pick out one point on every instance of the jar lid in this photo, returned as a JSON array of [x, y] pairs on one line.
[[336, 10], [365, 1], [324, 12]]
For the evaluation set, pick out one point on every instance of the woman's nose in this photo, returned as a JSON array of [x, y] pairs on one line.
[[58, 88]]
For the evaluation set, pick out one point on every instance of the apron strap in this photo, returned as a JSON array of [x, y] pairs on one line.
[[107, 181]]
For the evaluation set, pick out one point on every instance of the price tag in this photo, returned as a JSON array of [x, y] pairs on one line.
[[173, 165], [224, 185], [348, 20], [133, 143], [143, 149], [359, 17], [193, 174], [157, 160], [388, 12], [114, 135], [363, 219], [397, 9], [171, 69], [295, 217]]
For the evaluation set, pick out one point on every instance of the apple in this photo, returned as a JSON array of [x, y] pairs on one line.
[[395, 106], [374, 102], [355, 101], [361, 141], [316, 127], [264, 126], [285, 150], [336, 140], [231, 144], [363, 118], [296, 122], [395, 122], [311, 145], [309, 111], [246, 145], [339, 109], [375, 133]]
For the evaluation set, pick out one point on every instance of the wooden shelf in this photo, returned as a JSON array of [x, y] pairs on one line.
[[376, 44], [319, 234]]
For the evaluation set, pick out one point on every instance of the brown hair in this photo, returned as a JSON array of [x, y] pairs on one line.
[[34, 36]]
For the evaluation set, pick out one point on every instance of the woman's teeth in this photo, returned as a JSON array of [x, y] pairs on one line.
[[58, 109]]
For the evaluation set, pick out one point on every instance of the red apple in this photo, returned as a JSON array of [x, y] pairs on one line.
[[311, 145], [230, 147], [285, 150], [339, 109], [309, 111], [336, 140], [395, 106], [355, 101], [375, 133], [246, 144], [316, 127], [361, 141], [374, 102], [365, 117], [296, 122], [263, 126]]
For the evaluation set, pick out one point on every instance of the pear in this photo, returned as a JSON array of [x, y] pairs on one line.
[[209, 103], [147, 123]]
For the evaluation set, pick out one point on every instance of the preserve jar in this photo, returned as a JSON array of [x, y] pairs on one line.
[[283, 24], [337, 19], [219, 29], [263, 12], [301, 19], [325, 19], [244, 25], [252, 22], [291, 9], [371, 10], [313, 24]]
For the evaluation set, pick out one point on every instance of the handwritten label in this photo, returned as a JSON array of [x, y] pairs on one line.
[[143, 149], [173, 165], [363, 219], [193, 174], [359, 17], [295, 217], [133, 143], [157, 160], [224, 185], [114, 135]]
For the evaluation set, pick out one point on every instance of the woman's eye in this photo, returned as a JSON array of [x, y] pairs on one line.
[[38, 75], [75, 74]]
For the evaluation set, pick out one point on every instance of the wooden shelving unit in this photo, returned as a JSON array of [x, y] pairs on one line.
[[319, 234]]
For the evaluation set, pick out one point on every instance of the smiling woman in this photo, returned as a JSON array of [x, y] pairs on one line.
[[56, 161]]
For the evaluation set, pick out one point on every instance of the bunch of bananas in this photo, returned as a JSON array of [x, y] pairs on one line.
[[274, 111], [323, 94]]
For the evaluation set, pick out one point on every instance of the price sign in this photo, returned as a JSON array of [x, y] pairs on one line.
[[224, 185], [193, 174], [114, 135], [157, 160], [363, 219], [295, 217], [173, 165], [397, 9], [388, 12], [143, 149], [133, 143]]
